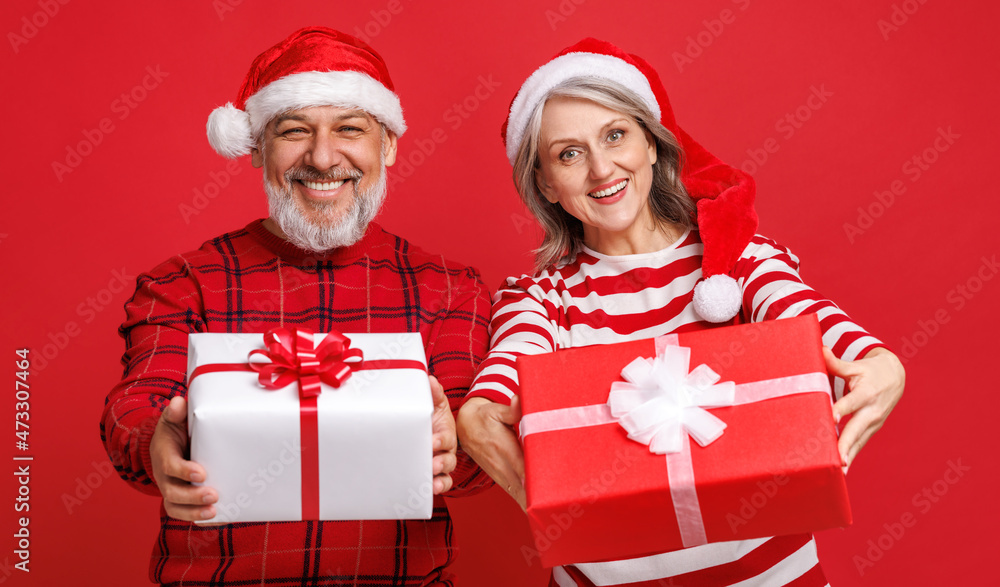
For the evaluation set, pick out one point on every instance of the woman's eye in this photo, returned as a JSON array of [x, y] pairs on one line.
[[616, 135], [568, 154]]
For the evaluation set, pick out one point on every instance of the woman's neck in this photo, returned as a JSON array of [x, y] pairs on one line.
[[637, 240]]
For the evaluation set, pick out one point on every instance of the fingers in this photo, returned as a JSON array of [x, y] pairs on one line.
[[856, 434], [437, 392], [167, 458], [842, 369], [169, 444], [510, 415], [445, 441], [506, 465], [184, 501], [176, 411], [444, 438], [850, 403], [442, 483], [517, 492], [516, 460], [443, 465], [173, 473], [493, 444]]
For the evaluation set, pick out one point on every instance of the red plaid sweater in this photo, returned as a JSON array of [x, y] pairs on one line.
[[250, 281]]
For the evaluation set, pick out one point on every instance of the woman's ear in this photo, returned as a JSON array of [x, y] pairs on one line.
[[650, 146], [544, 188]]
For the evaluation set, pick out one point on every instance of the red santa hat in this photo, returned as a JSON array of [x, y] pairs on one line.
[[314, 66], [723, 195]]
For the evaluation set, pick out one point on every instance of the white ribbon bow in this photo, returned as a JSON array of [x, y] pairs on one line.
[[662, 400]]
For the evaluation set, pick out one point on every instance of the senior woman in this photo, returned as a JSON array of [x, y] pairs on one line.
[[646, 233]]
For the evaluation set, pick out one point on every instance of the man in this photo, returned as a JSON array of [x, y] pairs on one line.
[[317, 113]]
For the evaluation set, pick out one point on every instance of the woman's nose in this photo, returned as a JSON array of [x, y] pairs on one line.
[[601, 165]]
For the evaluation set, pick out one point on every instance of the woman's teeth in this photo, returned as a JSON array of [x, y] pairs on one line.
[[323, 186], [610, 191]]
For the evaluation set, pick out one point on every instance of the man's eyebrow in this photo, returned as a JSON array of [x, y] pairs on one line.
[[354, 114], [299, 117], [288, 116]]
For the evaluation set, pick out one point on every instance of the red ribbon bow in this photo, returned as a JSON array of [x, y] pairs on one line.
[[294, 356]]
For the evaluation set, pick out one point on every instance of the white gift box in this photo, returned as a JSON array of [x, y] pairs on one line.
[[374, 435]]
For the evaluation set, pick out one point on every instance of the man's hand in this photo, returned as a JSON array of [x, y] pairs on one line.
[[443, 438], [875, 384], [486, 429], [173, 473]]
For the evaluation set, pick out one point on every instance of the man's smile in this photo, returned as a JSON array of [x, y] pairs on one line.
[[323, 186]]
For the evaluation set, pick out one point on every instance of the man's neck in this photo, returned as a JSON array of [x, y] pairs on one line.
[[274, 229]]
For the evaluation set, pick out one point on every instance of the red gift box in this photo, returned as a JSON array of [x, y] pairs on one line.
[[595, 494]]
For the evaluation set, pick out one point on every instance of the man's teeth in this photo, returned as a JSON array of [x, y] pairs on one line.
[[323, 186], [611, 190]]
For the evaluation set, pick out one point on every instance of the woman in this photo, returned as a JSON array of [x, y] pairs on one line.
[[646, 233]]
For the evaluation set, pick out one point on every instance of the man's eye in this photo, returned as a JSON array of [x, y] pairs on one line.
[[293, 131], [349, 129]]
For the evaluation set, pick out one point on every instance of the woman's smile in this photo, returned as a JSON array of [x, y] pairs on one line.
[[610, 191]]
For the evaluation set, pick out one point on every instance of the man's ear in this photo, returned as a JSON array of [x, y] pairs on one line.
[[256, 157], [389, 148]]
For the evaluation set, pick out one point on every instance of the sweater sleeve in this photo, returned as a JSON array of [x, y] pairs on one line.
[[456, 347], [520, 326], [165, 308], [772, 289]]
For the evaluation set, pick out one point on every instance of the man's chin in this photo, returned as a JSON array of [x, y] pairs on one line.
[[319, 235], [318, 226]]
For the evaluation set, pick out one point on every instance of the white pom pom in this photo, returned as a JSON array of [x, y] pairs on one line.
[[229, 131], [718, 298]]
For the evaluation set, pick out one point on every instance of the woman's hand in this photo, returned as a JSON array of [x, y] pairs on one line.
[[486, 433], [875, 383]]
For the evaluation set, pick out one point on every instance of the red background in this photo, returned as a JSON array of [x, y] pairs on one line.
[[889, 91]]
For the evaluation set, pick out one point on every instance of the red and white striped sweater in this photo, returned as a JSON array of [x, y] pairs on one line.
[[601, 299]]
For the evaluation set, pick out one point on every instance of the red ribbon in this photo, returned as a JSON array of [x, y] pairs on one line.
[[294, 357]]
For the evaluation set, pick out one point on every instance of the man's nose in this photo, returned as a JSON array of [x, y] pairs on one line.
[[324, 152]]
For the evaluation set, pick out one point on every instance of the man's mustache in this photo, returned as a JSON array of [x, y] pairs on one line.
[[312, 174]]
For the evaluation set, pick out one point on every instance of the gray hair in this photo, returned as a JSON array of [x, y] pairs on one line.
[[668, 200]]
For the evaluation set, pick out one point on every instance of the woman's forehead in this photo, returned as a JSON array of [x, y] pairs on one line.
[[562, 115]]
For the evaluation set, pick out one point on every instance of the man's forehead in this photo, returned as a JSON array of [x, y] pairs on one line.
[[316, 113]]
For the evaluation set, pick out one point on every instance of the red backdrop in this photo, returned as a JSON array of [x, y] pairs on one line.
[[863, 122]]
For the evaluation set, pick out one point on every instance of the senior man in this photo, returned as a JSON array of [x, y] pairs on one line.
[[318, 114]]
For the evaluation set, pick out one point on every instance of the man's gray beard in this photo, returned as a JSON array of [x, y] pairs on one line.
[[329, 234]]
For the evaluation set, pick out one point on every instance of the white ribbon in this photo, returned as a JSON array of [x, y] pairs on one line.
[[663, 401]]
